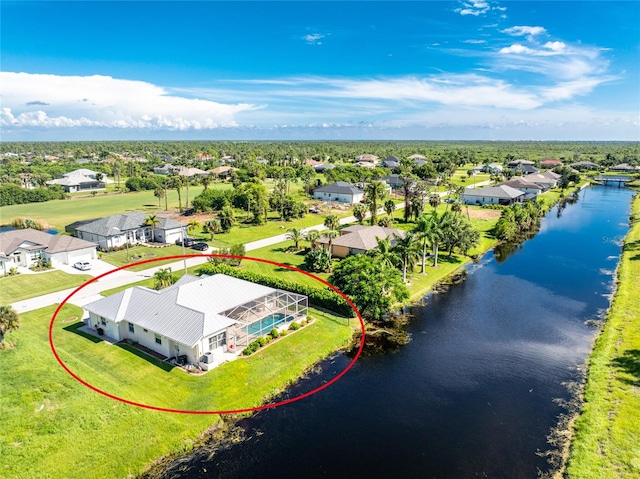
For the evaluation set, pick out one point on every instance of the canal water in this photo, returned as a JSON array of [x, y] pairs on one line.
[[474, 394]]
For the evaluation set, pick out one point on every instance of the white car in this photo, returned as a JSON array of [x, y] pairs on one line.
[[82, 265]]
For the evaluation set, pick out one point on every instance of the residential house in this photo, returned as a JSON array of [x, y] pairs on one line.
[[492, 195], [221, 171], [520, 183], [168, 169], [322, 167], [340, 191], [390, 162], [359, 239], [416, 156], [23, 247], [394, 180], [118, 230], [365, 164], [82, 179], [369, 158], [198, 317], [625, 167], [584, 165], [515, 163], [550, 163], [546, 180]]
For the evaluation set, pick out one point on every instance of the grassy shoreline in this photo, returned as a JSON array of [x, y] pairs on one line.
[[605, 442]]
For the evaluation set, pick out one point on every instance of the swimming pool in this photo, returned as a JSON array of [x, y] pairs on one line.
[[265, 325]]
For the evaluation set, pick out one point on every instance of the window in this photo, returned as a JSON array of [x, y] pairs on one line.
[[131, 328], [158, 339], [35, 255], [217, 341], [103, 321]]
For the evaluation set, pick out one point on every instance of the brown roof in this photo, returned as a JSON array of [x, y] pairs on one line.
[[520, 182], [362, 237], [10, 241]]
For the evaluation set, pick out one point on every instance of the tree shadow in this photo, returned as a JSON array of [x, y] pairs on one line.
[[75, 328], [629, 364]]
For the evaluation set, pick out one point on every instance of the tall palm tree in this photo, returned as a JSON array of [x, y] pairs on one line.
[[296, 235], [332, 222], [205, 180], [375, 192], [153, 221], [423, 232], [312, 236], [408, 250], [9, 321], [159, 193], [384, 252], [331, 235]]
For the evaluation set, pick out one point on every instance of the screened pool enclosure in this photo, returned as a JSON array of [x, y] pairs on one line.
[[258, 317]]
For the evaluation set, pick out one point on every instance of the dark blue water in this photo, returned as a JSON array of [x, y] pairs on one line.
[[472, 395]]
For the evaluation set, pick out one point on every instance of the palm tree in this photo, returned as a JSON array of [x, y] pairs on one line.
[[332, 222], [193, 224], [295, 235], [423, 230], [331, 235], [153, 221], [434, 200], [205, 180], [227, 218], [159, 193], [389, 207], [177, 184], [163, 278], [9, 321], [375, 191], [408, 251], [211, 227], [384, 253], [359, 211], [312, 236]]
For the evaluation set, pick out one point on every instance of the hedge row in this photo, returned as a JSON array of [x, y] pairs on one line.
[[321, 298]]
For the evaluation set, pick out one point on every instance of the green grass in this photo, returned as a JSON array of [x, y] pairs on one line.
[[246, 233], [605, 444], [55, 427], [59, 213], [140, 253], [25, 286]]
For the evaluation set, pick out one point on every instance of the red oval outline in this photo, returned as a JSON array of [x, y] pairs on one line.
[[231, 411]]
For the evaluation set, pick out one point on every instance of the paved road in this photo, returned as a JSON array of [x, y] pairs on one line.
[[121, 278]]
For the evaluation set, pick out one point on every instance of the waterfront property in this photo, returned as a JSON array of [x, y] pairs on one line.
[[520, 183], [118, 230], [24, 247], [340, 191], [198, 318], [492, 195], [359, 239]]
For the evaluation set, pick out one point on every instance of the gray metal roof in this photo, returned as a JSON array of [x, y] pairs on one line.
[[185, 312], [123, 222], [340, 187], [502, 191]]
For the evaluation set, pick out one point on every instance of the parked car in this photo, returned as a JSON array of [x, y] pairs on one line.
[[200, 246], [82, 265], [188, 242]]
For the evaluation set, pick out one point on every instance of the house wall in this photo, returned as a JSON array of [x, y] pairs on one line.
[[71, 257], [339, 251], [147, 338], [339, 197], [111, 328], [482, 200], [170, 236]]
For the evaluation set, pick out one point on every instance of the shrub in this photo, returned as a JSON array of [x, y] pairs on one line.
[[274, 333], [317, 260], [294, 326], [319, 297], [283, 332]]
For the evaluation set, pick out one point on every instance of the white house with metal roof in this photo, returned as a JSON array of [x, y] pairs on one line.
[[340, 191], [197, 317], [492, 195]]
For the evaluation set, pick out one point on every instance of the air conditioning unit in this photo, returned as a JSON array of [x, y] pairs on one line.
[[208, 358]]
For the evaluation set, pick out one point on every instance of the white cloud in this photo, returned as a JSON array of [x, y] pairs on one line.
[[313, 38], [102, 101], [474, 7], [517, 49], [519, 30], [474, 42]]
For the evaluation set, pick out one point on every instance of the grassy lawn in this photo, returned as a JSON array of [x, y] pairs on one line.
[[25, 286], [140, 253], [605, 444], [246, 233], [55, 427]]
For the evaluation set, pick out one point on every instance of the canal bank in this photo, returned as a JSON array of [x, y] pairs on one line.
[[606, 442], [477, 390]]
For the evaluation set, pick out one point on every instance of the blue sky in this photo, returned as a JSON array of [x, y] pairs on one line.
[[474, 69]]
